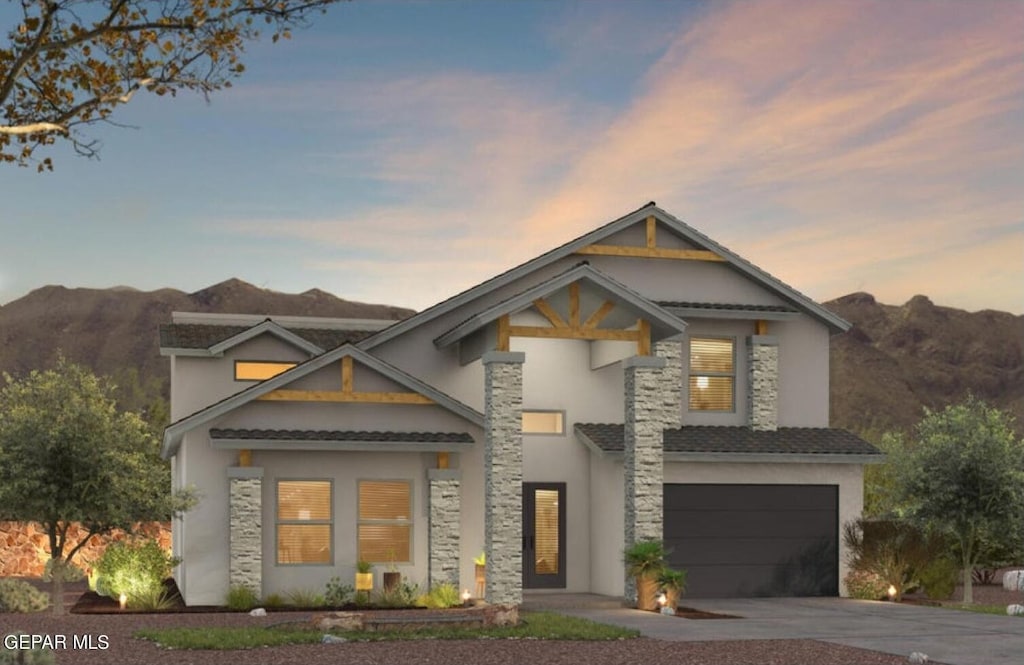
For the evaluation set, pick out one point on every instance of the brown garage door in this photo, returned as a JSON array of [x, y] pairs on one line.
[[754, 540]]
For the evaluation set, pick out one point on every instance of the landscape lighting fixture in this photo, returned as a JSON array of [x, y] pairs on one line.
[[123, 600]]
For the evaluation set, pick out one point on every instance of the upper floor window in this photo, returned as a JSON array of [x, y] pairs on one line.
[[304, 522], [712, 374], [258, 370], [543, 422]]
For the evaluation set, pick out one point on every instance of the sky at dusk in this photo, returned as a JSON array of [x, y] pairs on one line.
[[400, 152]]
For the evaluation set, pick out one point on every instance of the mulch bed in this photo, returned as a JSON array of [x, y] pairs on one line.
[[691, 613]]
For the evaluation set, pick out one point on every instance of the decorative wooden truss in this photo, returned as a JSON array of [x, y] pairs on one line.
[[574, 329], [346, 394], [651, 250]]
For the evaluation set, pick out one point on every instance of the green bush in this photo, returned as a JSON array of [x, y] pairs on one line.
[[20, 596], [306, 598], [895, 551], [274, 601], [153, 600], [401, 595], [938, 578], [25, 656], [136, 569], [865, 585], [337, 593], [242, 598], [441, 596], [72, 572]]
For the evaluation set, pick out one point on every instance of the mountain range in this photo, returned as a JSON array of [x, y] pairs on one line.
[[895, 360]]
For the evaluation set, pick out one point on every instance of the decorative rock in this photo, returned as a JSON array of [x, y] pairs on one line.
[[332, 639], [1015, 610], [258, 612], [668, 611], [918, 657], [338, 621], [1013, 580], [501, 615]]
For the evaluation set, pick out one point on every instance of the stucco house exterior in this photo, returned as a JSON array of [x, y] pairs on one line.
[[641, 381]]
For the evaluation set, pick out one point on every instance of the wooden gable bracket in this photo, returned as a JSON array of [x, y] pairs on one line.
[[346, 394], [651, 250], [574, 329]]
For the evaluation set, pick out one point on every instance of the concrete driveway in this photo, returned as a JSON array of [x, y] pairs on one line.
[[947, 636]]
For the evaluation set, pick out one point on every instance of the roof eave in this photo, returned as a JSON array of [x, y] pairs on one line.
[[342, 446]]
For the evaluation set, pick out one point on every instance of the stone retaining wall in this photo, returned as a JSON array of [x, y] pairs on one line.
[[25, 546]]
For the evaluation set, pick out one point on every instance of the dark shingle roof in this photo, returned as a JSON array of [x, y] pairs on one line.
[[203, 336], [707, 439], [719, 305], [337, 435]]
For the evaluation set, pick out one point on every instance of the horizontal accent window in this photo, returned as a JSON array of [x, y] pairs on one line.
[[304, 522], [385, 521], [543, 422], [257, 370], [712, 374]]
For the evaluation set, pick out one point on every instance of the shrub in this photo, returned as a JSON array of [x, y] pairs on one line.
[[136, 569], [306, 598], [865, 585], [337, 593], [645, 558], [20, 596], [274, 601], [441, 596], [895, 551], [939, 578], [25, 656], [242, 598], [153, 600], [401, 595], [72, 572]]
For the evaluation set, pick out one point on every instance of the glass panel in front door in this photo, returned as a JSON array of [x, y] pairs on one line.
[[545, 519]]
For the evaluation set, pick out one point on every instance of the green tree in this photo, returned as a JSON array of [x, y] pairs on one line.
[[964, 479], [69, 64], [68, 455]]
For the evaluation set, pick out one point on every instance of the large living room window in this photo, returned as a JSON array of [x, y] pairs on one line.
[[712, 374], [304, 522], [259, 370], [385, 521]]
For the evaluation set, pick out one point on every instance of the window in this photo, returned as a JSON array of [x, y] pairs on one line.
[[543, 422], [258, 370], [304, 522], [385, 521], [712, 374]]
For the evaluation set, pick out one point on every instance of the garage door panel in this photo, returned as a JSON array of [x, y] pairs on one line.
[[738, 524], [750, 497], [754, 540], [738, 551]]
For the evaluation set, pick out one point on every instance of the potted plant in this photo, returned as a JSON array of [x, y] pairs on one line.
[[645, 560], [391, 577], [480, 564], [672, 583], [364, 576]]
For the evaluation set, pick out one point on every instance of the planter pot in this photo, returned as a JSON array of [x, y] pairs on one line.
[[646, 593], [481, 580], [364, 581], [391, 581], [672, 598]]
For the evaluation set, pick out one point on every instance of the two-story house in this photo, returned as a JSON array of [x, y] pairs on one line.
[[641, 381]]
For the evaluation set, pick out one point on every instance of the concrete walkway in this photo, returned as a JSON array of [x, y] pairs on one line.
[[947, 636]]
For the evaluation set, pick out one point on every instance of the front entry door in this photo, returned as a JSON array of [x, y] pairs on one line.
[[544, 535]]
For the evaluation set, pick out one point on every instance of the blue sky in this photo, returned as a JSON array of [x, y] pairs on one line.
[[402, 152]]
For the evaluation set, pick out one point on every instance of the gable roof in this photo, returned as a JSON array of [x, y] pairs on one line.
[[174, 432], [184, 338], [663, 324], [696, 442], [776, 286]]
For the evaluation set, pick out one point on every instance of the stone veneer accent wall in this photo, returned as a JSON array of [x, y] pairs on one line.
[[644, 442], [672, 381], [245, 567], [503, 476], [445, 523], [763, 382]]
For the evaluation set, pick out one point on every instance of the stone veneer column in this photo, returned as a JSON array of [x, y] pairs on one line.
[[245, 567], [644, 464], [445, 525], [503, 476], [672, 381], [763, 382]]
